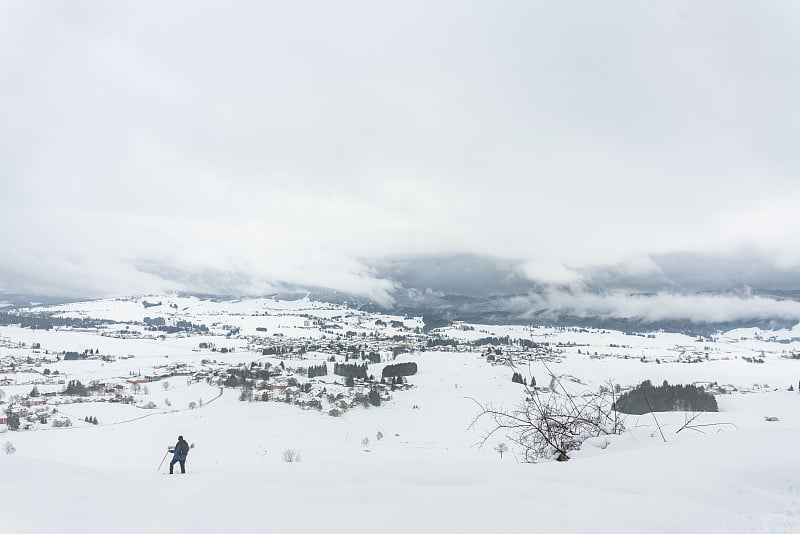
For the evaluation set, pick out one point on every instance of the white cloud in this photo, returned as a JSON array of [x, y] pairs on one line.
[[551, 272], [657, 307], [285, 142]]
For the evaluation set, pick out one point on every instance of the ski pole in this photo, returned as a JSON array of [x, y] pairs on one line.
[[162, 460]]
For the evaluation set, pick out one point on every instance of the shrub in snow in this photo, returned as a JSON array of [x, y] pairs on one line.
[[167, 402], [290, 455], [379, 435], [9, 448], [365, 441], [550, 426], [62, 422], [192, 405]]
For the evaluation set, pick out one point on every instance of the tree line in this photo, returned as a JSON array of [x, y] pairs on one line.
[[400, 369], [646, 398]]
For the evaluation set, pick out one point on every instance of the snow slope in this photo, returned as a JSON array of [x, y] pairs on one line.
[[93, 479], [426, 473]]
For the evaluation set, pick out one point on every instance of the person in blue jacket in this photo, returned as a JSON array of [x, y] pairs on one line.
[[180, 451]]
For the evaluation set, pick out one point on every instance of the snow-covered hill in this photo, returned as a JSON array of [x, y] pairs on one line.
[[411, 463]]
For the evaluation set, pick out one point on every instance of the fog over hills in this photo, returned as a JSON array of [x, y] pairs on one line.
[[698, 293], [671, 292]]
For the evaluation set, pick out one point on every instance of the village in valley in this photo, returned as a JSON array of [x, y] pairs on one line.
[[114, 361]]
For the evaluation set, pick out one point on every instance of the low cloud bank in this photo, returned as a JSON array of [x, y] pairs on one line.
[[699, 308]]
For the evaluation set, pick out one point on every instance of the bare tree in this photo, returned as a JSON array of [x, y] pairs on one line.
[[551, 426], [290, 455], [501, 449], [165, 385]]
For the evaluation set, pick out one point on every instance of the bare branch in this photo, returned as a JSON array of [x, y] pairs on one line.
[[654, 417], [552, 426]]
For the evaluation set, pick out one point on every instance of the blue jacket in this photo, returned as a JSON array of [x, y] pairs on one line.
[[181, 451]]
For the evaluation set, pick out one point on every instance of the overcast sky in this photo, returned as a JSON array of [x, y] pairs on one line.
[[162, 145]]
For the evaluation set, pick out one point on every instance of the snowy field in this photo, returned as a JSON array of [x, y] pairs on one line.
[[426, 472]]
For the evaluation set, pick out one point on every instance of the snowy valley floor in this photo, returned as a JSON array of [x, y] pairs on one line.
[[426, 474], [422, 476]]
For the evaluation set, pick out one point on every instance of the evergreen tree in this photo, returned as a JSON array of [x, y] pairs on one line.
[[400, 369], [12, 421], [374, 397], [75, 387], [665, 398]]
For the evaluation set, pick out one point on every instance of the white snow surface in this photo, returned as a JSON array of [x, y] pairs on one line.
[[427, 474]]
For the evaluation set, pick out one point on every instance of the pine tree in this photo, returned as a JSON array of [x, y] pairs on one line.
[[12, 421], [75, 387], [374, 397]]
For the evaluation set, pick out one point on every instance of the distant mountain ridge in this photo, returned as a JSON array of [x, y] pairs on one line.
[[679, 293]]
